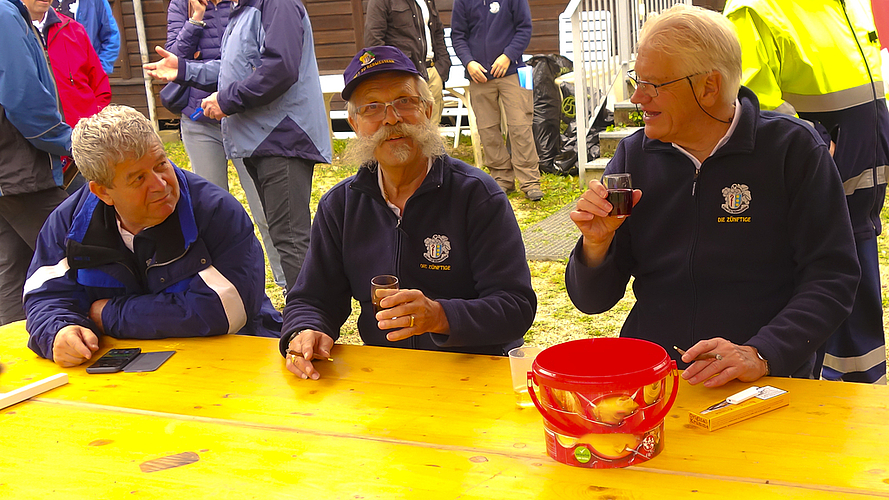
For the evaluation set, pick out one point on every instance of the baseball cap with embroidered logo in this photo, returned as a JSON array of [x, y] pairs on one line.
[[372, 60]]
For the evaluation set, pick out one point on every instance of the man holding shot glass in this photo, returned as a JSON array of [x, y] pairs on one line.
[[738, 238], [437, 237]]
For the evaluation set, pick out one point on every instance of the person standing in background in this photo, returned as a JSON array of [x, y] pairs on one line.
[[490, 38], [272, 110], [820, 59], [101, 28], [194, 31], [82, 83], [415, 28], [33, 137]]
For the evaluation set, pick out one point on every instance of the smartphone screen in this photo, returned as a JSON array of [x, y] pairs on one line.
[[114, 360]]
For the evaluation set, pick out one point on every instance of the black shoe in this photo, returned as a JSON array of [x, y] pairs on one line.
[[534, 194]]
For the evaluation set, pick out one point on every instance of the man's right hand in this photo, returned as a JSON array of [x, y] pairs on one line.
[[597, 228], [310, 343], [166, 69], [476, 72], [73, 345]]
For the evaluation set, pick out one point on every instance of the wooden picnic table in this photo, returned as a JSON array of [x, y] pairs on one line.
[[224, 419]]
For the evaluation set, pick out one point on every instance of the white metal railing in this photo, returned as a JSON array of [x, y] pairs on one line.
[[602, 45]]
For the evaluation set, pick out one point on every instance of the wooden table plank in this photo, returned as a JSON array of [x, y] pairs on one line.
[[82, 451], [829, 437]]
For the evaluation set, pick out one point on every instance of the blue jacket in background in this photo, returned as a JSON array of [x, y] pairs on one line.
[[98, 20], [32, 133], [268, 83], [199, 273], [458, 242], [185, 40], [481, 30]]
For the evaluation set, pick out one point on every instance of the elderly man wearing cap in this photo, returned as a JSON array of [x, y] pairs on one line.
[[445, 229]]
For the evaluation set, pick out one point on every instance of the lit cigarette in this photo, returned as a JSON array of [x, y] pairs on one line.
[[294, 353], [701, 357]]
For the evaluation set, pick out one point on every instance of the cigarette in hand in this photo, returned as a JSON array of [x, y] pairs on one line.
[[701, 357], [294, 353]]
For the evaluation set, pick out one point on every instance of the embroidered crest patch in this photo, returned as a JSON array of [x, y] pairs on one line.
[[437, 248], [737, 198]]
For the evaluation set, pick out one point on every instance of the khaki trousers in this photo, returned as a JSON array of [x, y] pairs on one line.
[[517, 103], [435, 86]]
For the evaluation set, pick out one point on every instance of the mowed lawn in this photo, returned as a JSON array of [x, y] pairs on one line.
[[557, 319]]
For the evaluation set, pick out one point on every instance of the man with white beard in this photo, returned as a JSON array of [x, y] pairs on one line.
[[445, 229]]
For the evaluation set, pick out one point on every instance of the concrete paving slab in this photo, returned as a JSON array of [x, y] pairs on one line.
[[552, 238]]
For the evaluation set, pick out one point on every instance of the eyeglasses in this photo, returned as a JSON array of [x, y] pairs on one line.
[[650, 89], [403, 106]]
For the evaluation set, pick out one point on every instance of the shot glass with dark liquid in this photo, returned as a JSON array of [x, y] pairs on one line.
[[620, 194], [383, 281]]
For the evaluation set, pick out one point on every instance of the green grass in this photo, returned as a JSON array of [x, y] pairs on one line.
[[557, 319]]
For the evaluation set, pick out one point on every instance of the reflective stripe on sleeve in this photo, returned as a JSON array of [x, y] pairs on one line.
[[857, 363], [865, 180], [44, 274], [835, 101], [228, 294]]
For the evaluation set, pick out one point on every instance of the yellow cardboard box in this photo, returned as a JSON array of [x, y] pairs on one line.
[[723, 413]]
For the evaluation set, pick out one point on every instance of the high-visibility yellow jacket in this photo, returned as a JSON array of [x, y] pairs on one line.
[[805, 54]]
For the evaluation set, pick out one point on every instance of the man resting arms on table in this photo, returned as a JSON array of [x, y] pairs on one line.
[[145, 251], [444, 228]]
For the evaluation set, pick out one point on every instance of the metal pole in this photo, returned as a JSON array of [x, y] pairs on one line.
[[143, 53]]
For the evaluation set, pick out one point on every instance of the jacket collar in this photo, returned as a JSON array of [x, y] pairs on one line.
[[365, 180], [741, 141], [94, 231]]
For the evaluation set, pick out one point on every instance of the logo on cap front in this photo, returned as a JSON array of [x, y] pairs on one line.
[[367, 58]]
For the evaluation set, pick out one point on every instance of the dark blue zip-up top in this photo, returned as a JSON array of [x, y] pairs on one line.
[[762, 254], [458, 242]]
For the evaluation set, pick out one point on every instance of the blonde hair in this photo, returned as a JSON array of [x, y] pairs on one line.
[[102, 141], [700, 40], [419, 82]]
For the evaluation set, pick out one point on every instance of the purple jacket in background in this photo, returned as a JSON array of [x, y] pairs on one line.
[[192, 42]]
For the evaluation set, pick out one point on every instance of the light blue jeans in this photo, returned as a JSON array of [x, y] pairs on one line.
[[203, 143]]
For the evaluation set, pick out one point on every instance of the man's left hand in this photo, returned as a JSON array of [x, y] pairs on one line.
[[501, 64], [408, 313], [738, 362], [211, 107]]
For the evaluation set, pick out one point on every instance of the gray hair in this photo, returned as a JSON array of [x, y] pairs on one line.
[[700, 40], [419, 82], [102, 141]]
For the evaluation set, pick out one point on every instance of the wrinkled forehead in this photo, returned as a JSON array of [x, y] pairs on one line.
[[384, 84], [655, 66]]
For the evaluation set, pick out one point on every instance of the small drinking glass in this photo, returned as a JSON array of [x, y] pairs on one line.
[[620, 194], [381, 282], [520, 361]]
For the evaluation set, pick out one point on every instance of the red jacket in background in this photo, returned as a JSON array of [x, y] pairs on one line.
[[83, 84]]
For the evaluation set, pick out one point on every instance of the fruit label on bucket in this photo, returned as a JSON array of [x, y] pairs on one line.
[[604, 451]]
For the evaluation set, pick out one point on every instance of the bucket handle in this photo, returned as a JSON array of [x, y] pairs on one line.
[[669, 405], [656, 419], [545, 413]]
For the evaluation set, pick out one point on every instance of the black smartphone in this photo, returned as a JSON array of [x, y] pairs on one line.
[[114, 360]]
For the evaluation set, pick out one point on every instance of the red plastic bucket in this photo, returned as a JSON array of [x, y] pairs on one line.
[[603, 400]]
